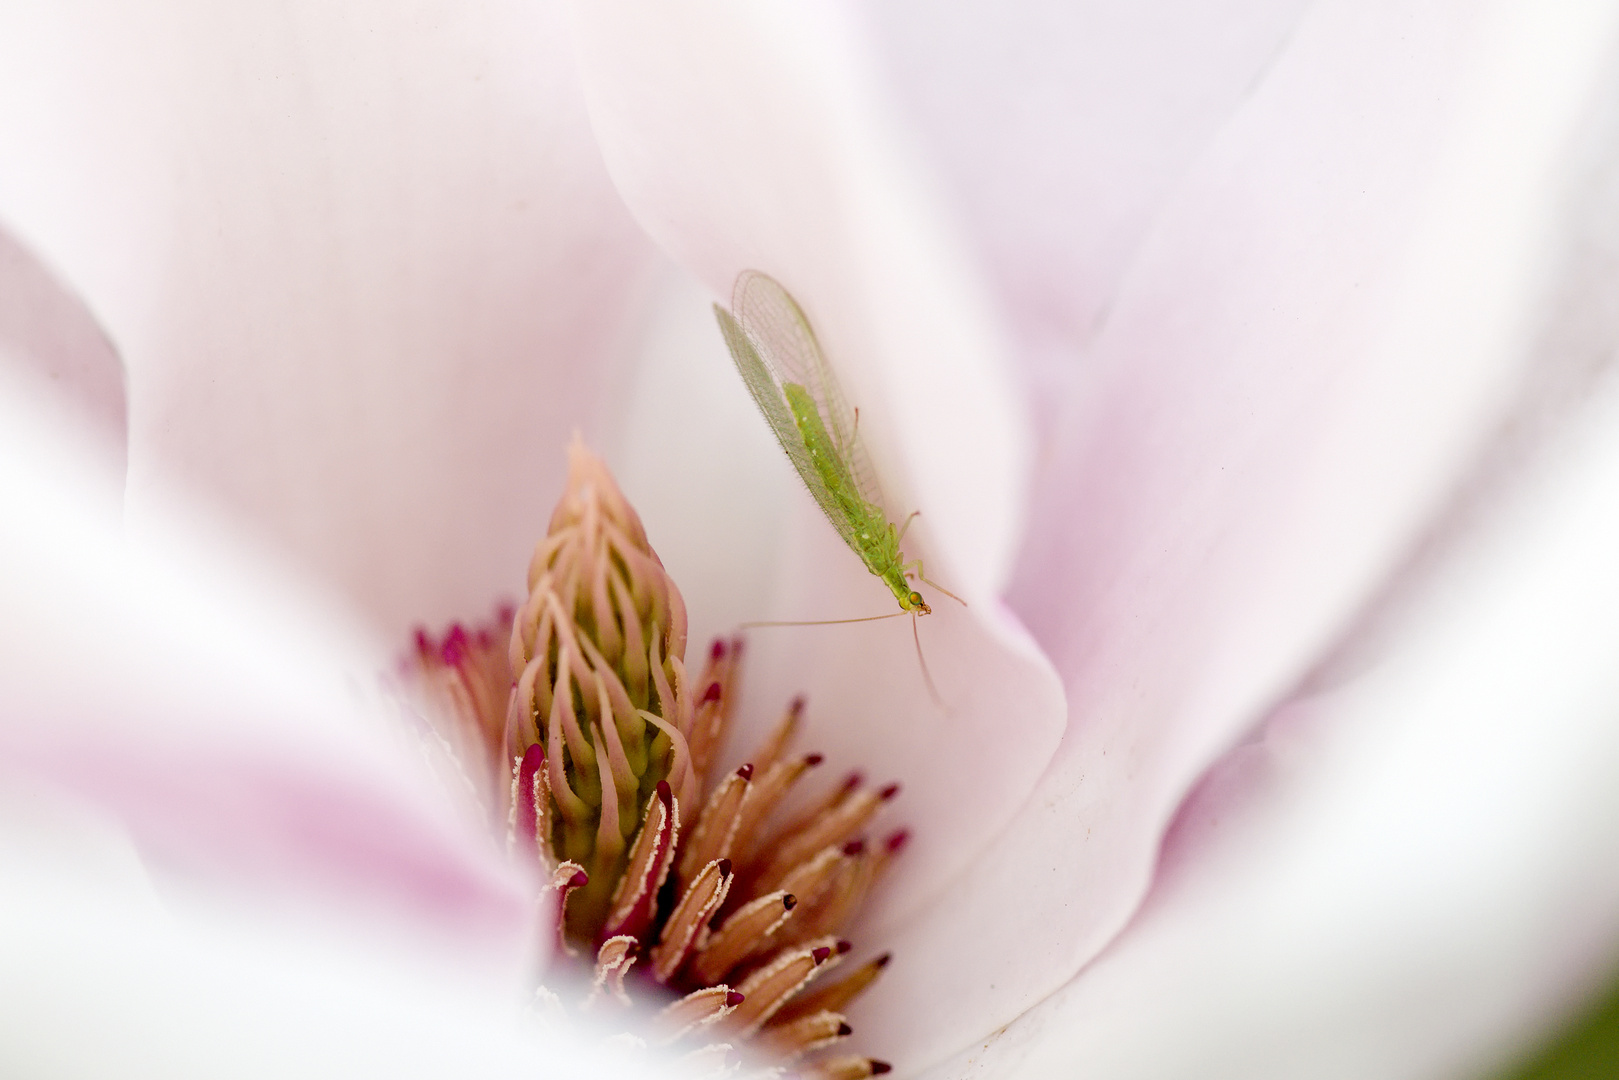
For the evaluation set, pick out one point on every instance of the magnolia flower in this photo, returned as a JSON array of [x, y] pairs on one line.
[[1257, 411]]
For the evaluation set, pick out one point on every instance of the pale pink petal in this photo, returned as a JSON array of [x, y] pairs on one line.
[[1412, 873], [1062, 129], [1323, 327], [747, 136], [361, 262], [46, 329], [228, 721], [105, 976]]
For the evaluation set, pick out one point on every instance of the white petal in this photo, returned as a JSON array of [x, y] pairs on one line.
[[744, 136], [1324, 327], [362, 263], [103, 978], [1413, 871], [1062, 129], [226, 720]]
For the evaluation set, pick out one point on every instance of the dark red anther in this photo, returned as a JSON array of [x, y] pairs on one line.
[[898, 840], [579, 880], [665, 796], [854, 847], [844, 1031], [789, 901], [484, 639], [733, 999], [710, 694], [882, 961], [813, 760], [844, 947], [736, 647], [424, 643], [796, 706], [745, 771], [888, 792], [820, 955], [725, 868], [879, 1067], [506, 614], [716, 651]]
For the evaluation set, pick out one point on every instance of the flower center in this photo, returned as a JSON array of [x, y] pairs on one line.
[[586, 730]]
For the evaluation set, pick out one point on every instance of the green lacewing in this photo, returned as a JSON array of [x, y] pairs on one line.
[[781, 361]]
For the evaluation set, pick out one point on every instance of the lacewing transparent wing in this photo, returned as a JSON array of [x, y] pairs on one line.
[[792, 354], [775, 348], [782, 364]]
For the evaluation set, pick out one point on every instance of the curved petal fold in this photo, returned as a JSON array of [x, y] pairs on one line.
[[1320, 333], [1062, 130], [224, 721], [1410, 873], [747, 137], [362, 263]]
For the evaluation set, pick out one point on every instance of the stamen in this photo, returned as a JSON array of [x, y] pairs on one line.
[[776, 744], [845, 896], [613, 961], [700, 1008], [792, 1040], [748, 929], [847, 882], [835, 997], [712, 713], [635, 898], [767, 792], [712, 837], [807, 879], [704, 897], [817, 810], [835, 826], [529, 823], [569, 876], [846, 1068], [769, 988], [566, 879]]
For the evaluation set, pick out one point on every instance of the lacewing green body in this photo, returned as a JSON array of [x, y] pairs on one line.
[[781, 362]]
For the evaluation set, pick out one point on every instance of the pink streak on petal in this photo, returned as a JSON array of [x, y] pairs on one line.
[[256, 823], [191, 695]]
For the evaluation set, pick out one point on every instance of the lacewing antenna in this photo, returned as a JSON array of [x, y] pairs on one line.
[[824, 622]]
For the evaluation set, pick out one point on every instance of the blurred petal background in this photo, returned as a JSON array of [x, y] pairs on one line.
[[1251, 367]]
